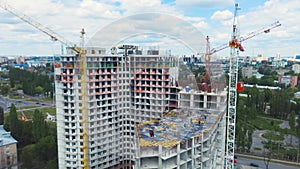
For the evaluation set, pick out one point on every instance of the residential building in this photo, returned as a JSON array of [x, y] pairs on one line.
[[121, 90], [279, 63], [288, 80], [247, 71], [8, 150], [296, 68]]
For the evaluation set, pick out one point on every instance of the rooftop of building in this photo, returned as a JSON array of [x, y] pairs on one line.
[[5, 137], [176, 126]]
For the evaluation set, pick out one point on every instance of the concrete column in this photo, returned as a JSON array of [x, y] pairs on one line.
[[159, 156], [218, 101], [193, 152], [192, 103], [205, 101], [178, 156]]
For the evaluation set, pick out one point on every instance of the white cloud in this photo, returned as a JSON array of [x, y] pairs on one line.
[[203, 3], [222, 15], [287, 12], [201, 25], [67, 17]]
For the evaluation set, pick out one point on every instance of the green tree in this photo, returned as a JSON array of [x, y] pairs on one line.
[[52, 164], [1, 116], [30, 80], [14, 123], [249, 138], [39, 126], [280, 105], [26, 135], [4, 89], [269, 147], [268, 96], [47, 147], [244, 130], [298, 135], [292, 123], [38, 90], [27, 157]]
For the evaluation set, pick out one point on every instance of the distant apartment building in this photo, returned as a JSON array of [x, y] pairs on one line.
[[296, 68], [279, 63], [247, 71], [297, 58], [288, 80], [8, 150], [20, 60], [3, 59]]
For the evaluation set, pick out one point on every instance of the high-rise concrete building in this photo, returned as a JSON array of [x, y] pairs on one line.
[[118, 91]]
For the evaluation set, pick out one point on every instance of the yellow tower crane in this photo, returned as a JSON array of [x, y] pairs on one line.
[[83, 72]]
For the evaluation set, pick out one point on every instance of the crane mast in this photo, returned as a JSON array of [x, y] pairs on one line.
[[235, 46], [81, 53], [232, 96]]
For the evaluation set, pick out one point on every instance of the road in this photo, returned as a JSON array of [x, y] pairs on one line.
[[5, 103], [247, 161]]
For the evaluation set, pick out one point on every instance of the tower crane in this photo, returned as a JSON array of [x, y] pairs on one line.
[[81, 52], [236, 43], [235, 48]]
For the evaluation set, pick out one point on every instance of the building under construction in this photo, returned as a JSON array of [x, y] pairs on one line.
[[190, 137], [99, 106], [125, 89]]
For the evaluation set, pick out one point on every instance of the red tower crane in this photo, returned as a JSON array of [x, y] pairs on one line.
[[236, 43]]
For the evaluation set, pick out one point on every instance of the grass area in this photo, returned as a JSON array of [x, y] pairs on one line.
[[44, 111], [272, 136], [268, 123], [51, 111], [28, 107], [15, 96], [263, 123], [257, 148]]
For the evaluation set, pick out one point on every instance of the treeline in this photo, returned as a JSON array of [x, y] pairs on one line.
[[32, 83], [262, 103], [276, 104], [37, 143]]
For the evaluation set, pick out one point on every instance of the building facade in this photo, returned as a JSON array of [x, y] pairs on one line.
[[288, 80], [117, 92], [8, 150], [296, 68]]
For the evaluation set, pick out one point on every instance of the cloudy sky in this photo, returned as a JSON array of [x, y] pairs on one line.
[[178, 23]]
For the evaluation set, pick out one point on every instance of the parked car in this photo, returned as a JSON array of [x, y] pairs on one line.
[[254, 165], [233, 160]]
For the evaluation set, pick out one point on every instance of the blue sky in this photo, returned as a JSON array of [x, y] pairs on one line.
[[210, 17]]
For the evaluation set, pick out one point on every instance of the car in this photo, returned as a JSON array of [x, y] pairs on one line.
[[254, 165], [233, 160]]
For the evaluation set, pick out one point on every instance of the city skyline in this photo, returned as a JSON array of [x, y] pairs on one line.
[[212, 18]]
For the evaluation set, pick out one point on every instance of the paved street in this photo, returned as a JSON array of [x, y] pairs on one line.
[[5, 103], [241, 161]]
